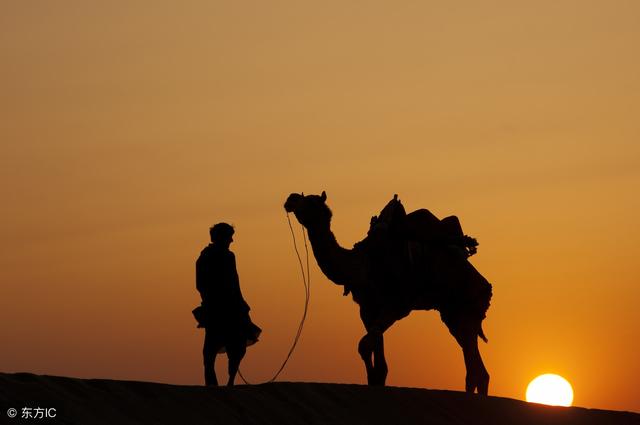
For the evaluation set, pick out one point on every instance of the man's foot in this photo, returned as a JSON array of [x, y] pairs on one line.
[[210, 380]]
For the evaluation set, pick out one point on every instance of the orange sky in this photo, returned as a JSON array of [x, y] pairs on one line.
[[128, 128]]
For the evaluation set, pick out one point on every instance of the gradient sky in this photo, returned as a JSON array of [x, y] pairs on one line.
[[127, 128]]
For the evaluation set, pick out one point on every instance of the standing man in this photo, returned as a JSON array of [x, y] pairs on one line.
[[224, 313]]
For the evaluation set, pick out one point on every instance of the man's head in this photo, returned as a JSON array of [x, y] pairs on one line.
[[222, 233]]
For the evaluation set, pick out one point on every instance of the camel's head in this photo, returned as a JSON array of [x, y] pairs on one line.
[[310, 210]]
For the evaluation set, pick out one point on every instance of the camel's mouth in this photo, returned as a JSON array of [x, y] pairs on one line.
[[292, 202]]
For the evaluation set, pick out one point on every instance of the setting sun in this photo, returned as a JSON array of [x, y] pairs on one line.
[[550, 389]]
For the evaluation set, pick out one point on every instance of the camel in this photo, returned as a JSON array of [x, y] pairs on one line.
[[396, 275]]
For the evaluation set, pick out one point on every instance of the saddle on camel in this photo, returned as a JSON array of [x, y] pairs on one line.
[[421, 226]]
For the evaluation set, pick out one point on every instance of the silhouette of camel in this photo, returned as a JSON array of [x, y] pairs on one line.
[[391, 278]]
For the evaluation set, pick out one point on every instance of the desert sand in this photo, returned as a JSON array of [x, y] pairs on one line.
[[103, 401]]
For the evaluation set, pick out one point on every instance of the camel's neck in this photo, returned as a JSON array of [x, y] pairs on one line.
[[342, 266]]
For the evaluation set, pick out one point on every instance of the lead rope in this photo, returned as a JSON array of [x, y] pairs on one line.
[[306, 280]]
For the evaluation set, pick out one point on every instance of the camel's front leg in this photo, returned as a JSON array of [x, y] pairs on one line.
[[365, 349], [380, 363], [371, 349], [371, 346]]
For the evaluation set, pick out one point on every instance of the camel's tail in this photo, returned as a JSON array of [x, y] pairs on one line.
[[482, 335]]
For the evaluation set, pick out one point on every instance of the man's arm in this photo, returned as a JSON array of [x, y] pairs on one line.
[[235, 281]]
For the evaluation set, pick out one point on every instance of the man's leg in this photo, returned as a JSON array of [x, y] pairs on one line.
[[236, 350], [210, 350]]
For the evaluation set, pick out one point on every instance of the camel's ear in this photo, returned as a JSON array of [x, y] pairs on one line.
[[323, 196]]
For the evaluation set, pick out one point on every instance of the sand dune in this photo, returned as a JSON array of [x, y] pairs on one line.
[[100, 401]]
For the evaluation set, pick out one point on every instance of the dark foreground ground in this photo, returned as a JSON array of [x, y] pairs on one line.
[[99, 401]]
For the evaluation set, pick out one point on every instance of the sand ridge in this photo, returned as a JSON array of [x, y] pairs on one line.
[[103, 401]]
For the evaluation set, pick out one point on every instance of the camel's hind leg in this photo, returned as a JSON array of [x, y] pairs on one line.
[[466, 333]]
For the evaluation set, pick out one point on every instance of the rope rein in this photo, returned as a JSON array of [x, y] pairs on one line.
[[306, 280]]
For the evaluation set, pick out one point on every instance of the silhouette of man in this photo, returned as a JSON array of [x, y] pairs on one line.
[[224, 313]]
